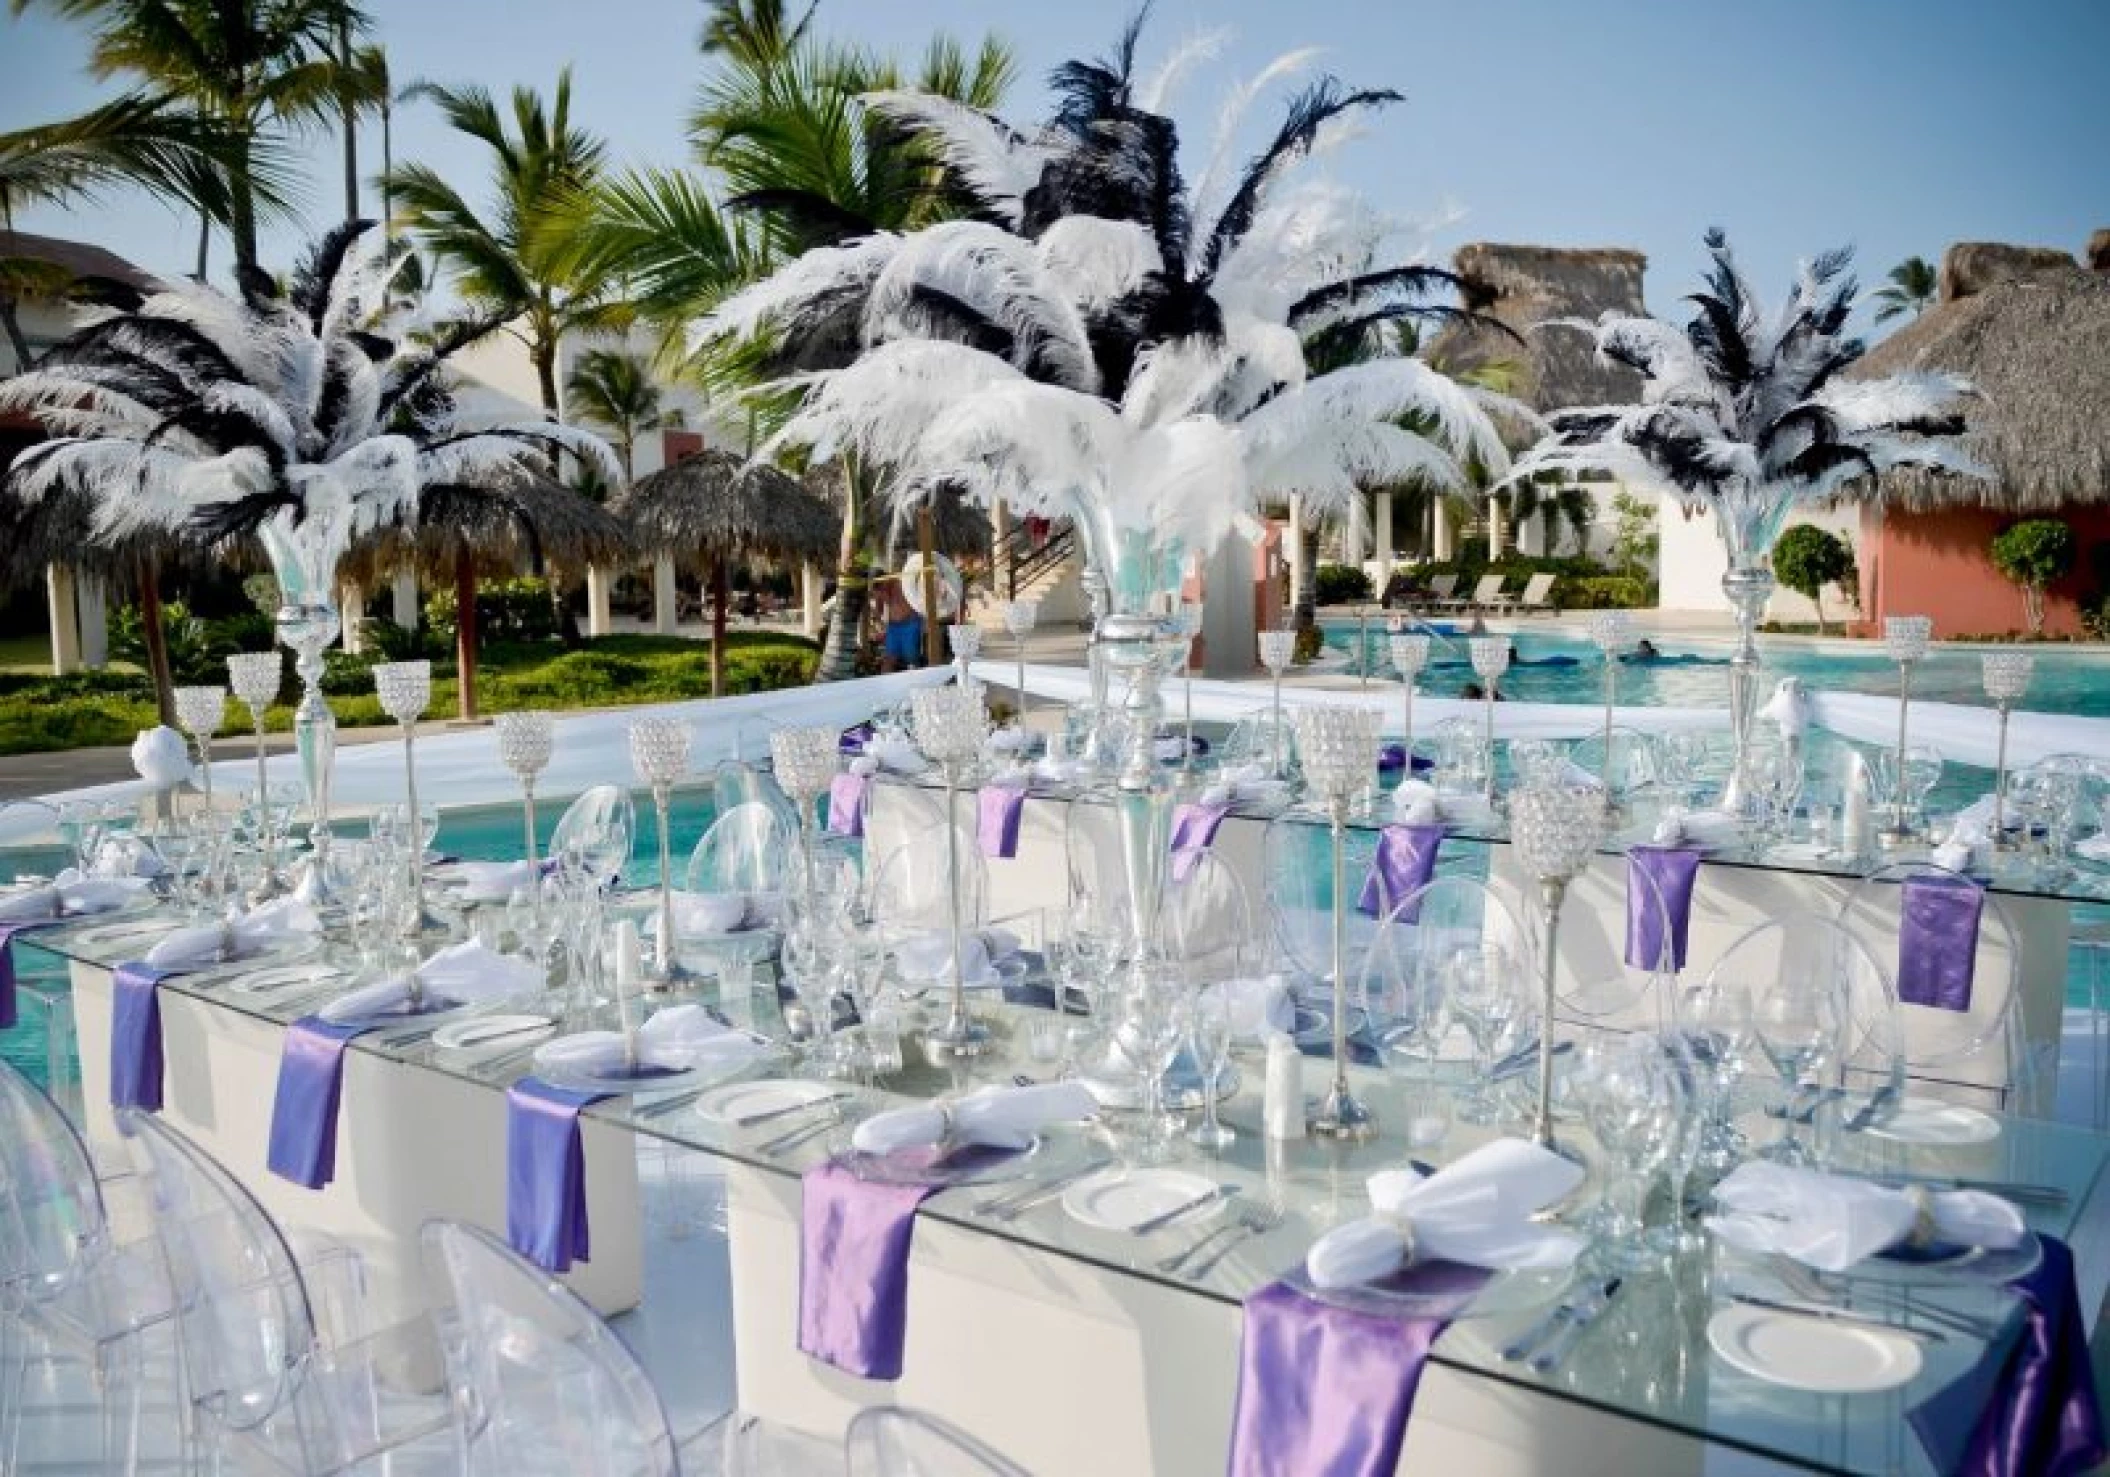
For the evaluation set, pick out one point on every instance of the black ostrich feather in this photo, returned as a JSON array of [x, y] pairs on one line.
[[315, 279], [219, 521], [177, 348], [424, 366], [222, 428], [1308, 113]]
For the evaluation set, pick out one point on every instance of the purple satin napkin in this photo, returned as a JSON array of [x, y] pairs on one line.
[[1673, 870], [546, 1173], [7, 965], [303, 1144], [846, 803], [1938, 942], [135, 1037], [853, 1270], [854, 739], [1394, 756], [2029, 1407], [999, 809], [1405, 861], [1323, 1389], [1193, 829]]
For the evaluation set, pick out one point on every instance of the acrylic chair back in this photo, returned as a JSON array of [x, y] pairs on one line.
[[1297, 873], [1786, 953], [888, 1441], [52, 1218], [551, 1388], [1206, 923], [912, 891], [1402, 976], [745, 850], [596, 832], [1958, 978]]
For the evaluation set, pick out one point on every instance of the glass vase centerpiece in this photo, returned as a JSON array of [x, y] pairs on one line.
[[2007, 675], [1612, 632], [307, 622], [659, 753], [525, 742], [1137, 639], [1410, 654], [405, 690], [1337, 752], [201, 710], [254, 677], [949, 729], [1555, 831], [1490, 660], [1020, 617], [805, 762], [1906, 638], [1277, 649]]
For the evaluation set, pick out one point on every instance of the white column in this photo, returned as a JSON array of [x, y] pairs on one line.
[[810, 583], [403, 598], [1355, 542], [663, 604], [94, 609], [1442, 551], [1230, 626], [351, 609], [1293, 550], [1495, 529], [598, 583], [65, 619], [1385, 546]]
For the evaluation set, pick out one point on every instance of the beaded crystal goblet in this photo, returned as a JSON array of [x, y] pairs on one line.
[[1337, 751], [1555, 830], [1276, 650], [659, 752], [965, 638], [405, 690], [1410, 653], [1906, 638], [1613, 633], [805, 761], [949, 729], [255, 676], [2007, 675], [1020, 617], [1490, 660], [201, 710], [525, 742]]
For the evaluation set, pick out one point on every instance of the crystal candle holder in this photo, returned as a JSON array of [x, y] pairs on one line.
[[2007, 675], [201, 710], [805, 761], [1906, 638], [659, 752], [1337, 751], [525, 743], [1410, 654], [965, 639], [405, 690], [255, 676], [1555, 831], [1020, 617], [1613, 632], [949, 729], [1490, 660], [1276, 650]]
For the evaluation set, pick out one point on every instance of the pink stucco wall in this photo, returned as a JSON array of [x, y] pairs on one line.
[[1939, 564]]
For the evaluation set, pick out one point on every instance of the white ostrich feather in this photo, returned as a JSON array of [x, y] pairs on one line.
[[1186, 478], [1302, 239], [258, 407], [997, 166], [1021, 440], [1861, 405], [223, 321], [1211, 182], [818, 274], [998, 275], [358, 415], [79, 395], [881, 405], [1093, 260], [1201, 47], [359, 292], [1174, 379]]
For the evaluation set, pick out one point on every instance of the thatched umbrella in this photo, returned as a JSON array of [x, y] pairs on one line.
[[713, 508], [2028, 329], [463, 532], [1521, 287]]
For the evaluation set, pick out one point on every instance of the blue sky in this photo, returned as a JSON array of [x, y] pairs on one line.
[[1896, 126]]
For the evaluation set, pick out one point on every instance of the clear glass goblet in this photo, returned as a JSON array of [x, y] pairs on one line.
[[1209, 1037], [659, 752], [525, 742], [255, 677], [201, 710]]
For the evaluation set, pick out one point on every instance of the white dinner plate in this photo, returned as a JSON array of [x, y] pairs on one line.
[[727, 1105], [1831, 1358], [491, 1030], [1927, 1121], [1122, 1199]]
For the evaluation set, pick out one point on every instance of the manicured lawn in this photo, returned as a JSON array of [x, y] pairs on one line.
[[41, 713], [25, 653]]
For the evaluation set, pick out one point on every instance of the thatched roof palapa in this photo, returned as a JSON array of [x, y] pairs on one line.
[[2028, 327], [519, 520], [1522, 287], [715, 507]]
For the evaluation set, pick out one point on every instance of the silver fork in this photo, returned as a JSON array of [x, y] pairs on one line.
[[1255, 1218], [1811, 1286]]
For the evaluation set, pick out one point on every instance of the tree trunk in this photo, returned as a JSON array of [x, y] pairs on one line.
[[242, 196], [465, 633], [157, 644], [544, 355], [349, 115], [1305, 617], [11, 321], [718, 599], [838, 661], [204, 244], [933, 587]]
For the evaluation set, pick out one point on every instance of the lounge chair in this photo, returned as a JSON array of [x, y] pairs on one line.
[[1487, 595], [1438, 593], [1536, 598]]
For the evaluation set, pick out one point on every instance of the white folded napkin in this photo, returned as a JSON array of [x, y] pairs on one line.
[[1414, 803], [1056, 771], [1967, 837], [681, 1036], [928, 956], [70, 895], [864, 766], [1244, 784], [494, 882], [1009, 740], [1476, 1212], [996, 1117], [466, 974], [260, 927], [897, 754], [1257, 1006], [1679, 827], [127, 856], [1831, 1222], [1789, 708]]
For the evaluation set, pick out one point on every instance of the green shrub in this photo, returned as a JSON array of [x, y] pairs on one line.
[[191, 655], [1807, 558], [506, 610], [1603, 592], [2032, 554], [1341, 584]]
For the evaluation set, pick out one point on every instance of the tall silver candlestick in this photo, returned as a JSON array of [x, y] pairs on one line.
[[1906, 636]]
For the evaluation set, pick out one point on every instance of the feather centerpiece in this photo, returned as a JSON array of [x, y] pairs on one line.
[[1747, 418]]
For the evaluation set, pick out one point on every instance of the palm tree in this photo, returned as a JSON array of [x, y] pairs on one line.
[[753, 32], [513, 262], [363, 87], [615, 391], [249, 71], [1913, 285]]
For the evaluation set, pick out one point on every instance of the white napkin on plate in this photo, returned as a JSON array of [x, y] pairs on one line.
[[1831, 1222], [681, 1036], [494, 882], [1244, 784], [1258, 1006], [998, 1117], [1009, 740], [70, 895], [260, 927], [710, 914], [1967, 836], [928, 956], [1679, 827], [466, 973], [128, 856], [1414, 803], [1476, 1212], [897, 754]]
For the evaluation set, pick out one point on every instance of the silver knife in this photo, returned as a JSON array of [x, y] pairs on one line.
[[1015, 1203], [2008, 1189], [1521, 1346], [787, 1110], [1836, 1315], [1165, 1218], [1556, 1348]]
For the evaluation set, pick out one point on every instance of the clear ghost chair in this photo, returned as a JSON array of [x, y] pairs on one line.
[[745, 850], [910, 892], [1206, 923], [1596, 985], [1097, 876], [1401, 981], [68, 1284], [1297, 872], [736, 782], [1634, 762], [888, 1441], [1979, 1053], [274, 1358], [1784, 952], [595, 832]]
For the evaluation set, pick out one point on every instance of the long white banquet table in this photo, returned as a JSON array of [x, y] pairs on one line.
[[1061, 1345]]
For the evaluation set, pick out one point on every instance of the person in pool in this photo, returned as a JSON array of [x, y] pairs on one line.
[[1644, 651], [1473, 692]]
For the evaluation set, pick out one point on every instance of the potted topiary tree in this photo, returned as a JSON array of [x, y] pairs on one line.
[[2033, 553], [1808, 558]]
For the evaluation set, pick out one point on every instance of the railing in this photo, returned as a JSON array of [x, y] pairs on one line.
[[1024, 560]]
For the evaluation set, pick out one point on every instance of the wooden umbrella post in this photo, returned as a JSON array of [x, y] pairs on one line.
[[465, 632], [933, 624], [718, 598]]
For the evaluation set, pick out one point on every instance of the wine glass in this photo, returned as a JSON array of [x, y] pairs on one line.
[[1209, 1038], [1800, 1024], [1486, 996], [201, 710], [1155, 1010], [1632, 1105]]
